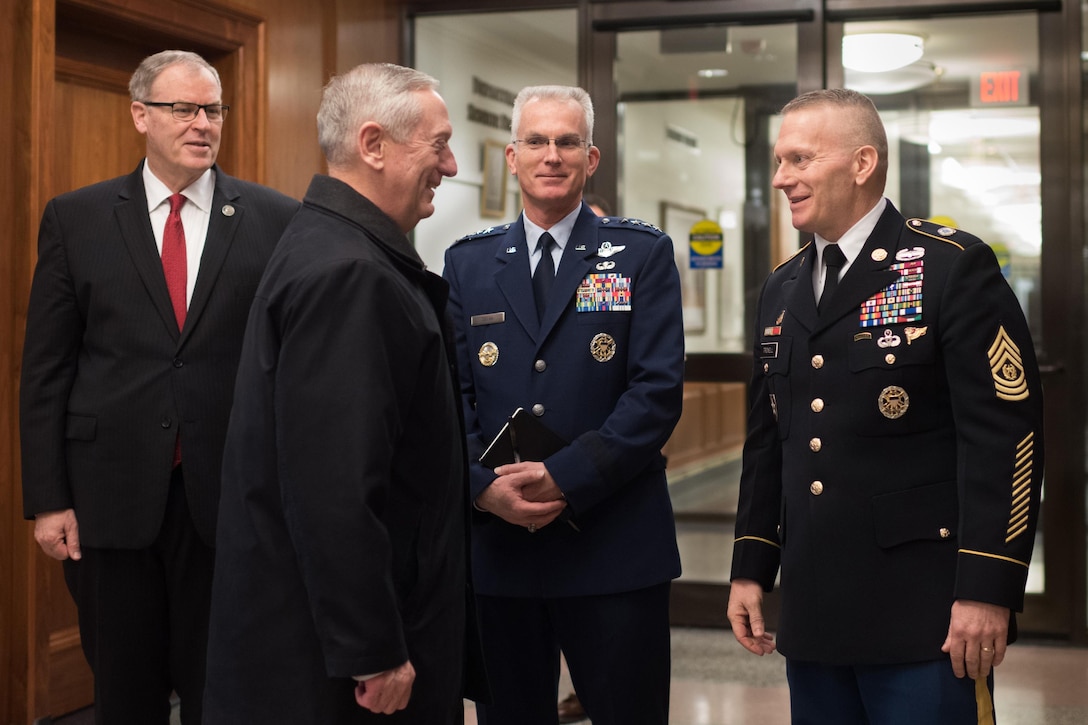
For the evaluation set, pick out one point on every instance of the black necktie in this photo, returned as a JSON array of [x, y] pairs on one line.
[[834, 259], [544, 274]]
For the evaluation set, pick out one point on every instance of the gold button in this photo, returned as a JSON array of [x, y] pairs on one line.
[[817, 405], [817, 361], [816, 488], [945, 533], [766, 367], [815, 444], [890, 359]]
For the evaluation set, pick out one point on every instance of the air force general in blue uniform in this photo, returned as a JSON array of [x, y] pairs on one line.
[[603, 368]]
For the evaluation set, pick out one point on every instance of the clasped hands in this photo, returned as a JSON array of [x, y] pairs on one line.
[[524, 494]]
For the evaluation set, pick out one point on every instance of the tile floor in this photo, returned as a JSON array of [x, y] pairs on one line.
[[715, 682]]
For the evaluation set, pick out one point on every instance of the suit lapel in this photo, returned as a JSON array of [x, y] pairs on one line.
[[797, 292], [225, 216], [135, 226], [513, 279]]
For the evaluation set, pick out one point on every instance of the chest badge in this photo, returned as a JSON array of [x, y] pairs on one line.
[[488, 354], [893, 402], [607, 249], [888, 339], [602, 347]]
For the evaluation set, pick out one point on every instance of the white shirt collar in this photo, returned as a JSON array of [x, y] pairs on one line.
[[560, 231], [199, 193], [854, 239]]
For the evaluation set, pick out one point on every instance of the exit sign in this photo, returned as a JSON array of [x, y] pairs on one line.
[[1000, 88]]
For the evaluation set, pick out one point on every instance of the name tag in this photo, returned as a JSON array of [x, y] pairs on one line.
[[489, 319], [768, 350]]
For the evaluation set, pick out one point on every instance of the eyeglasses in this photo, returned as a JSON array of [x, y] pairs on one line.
[[563, 144], [215, 112]]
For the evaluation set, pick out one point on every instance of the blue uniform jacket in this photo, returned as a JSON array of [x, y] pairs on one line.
[[604, 370]]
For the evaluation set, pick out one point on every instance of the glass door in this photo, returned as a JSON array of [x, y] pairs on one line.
[[693, 114], [695, 119]]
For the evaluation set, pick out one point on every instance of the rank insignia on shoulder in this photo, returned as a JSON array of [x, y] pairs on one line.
[[486, 232], [1007, 368], [640, 223]]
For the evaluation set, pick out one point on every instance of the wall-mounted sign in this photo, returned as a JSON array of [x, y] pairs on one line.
[[492, 119], [706, 239], [1000, 88]]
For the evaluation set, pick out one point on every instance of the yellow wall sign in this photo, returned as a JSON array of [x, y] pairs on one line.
[[705, 239]]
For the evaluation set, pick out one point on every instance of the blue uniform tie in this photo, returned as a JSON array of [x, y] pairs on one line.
[[544, 274]]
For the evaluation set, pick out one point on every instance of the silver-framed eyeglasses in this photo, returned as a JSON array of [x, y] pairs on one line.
[[182, 111], [564, 144]]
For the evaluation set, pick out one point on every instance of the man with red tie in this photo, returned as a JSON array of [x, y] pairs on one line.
[[139, 301]]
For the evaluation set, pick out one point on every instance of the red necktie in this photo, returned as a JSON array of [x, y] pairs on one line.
[[174, 268], [173, 258]]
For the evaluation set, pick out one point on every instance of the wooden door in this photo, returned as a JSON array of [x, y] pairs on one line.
[[78, 130]]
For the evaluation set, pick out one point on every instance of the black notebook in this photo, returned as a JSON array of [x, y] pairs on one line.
[[525, 438], [522, 438]]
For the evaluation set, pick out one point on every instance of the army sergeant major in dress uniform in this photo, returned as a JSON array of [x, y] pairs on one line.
[[894, 457], [601, 364]]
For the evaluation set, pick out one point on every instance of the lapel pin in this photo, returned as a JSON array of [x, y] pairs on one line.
[[228, 210]]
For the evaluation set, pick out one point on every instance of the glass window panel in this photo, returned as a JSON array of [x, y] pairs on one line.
[[691, 106], [482, 60], [963, 135]]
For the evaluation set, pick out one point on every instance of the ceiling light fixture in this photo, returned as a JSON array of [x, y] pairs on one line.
[[880, 52], [713, 73]]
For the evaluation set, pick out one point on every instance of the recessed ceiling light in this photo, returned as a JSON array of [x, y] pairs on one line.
[[713, 73], [880, 52]]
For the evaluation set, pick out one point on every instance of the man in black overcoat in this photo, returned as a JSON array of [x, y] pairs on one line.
[[341, 589]]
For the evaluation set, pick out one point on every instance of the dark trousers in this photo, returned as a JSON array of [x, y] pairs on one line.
[[617, 648], [910, 694], [143, 620]]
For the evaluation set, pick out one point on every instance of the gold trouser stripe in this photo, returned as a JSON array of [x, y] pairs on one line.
[[984, 702]]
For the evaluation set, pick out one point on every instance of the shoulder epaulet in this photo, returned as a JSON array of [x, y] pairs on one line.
[[630, 223], [486, 232], [943, 233], [793, 256]]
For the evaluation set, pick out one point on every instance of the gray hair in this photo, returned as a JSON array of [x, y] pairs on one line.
[[863, 120], [139, 86], [571, 94], [380, 92]]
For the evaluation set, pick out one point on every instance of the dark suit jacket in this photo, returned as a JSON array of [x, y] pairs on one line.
[[617, 409], [342, 530], [891, 468], [107, 378]]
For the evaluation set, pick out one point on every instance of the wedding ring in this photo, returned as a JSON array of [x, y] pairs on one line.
[[987, 649], [532, 528]]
